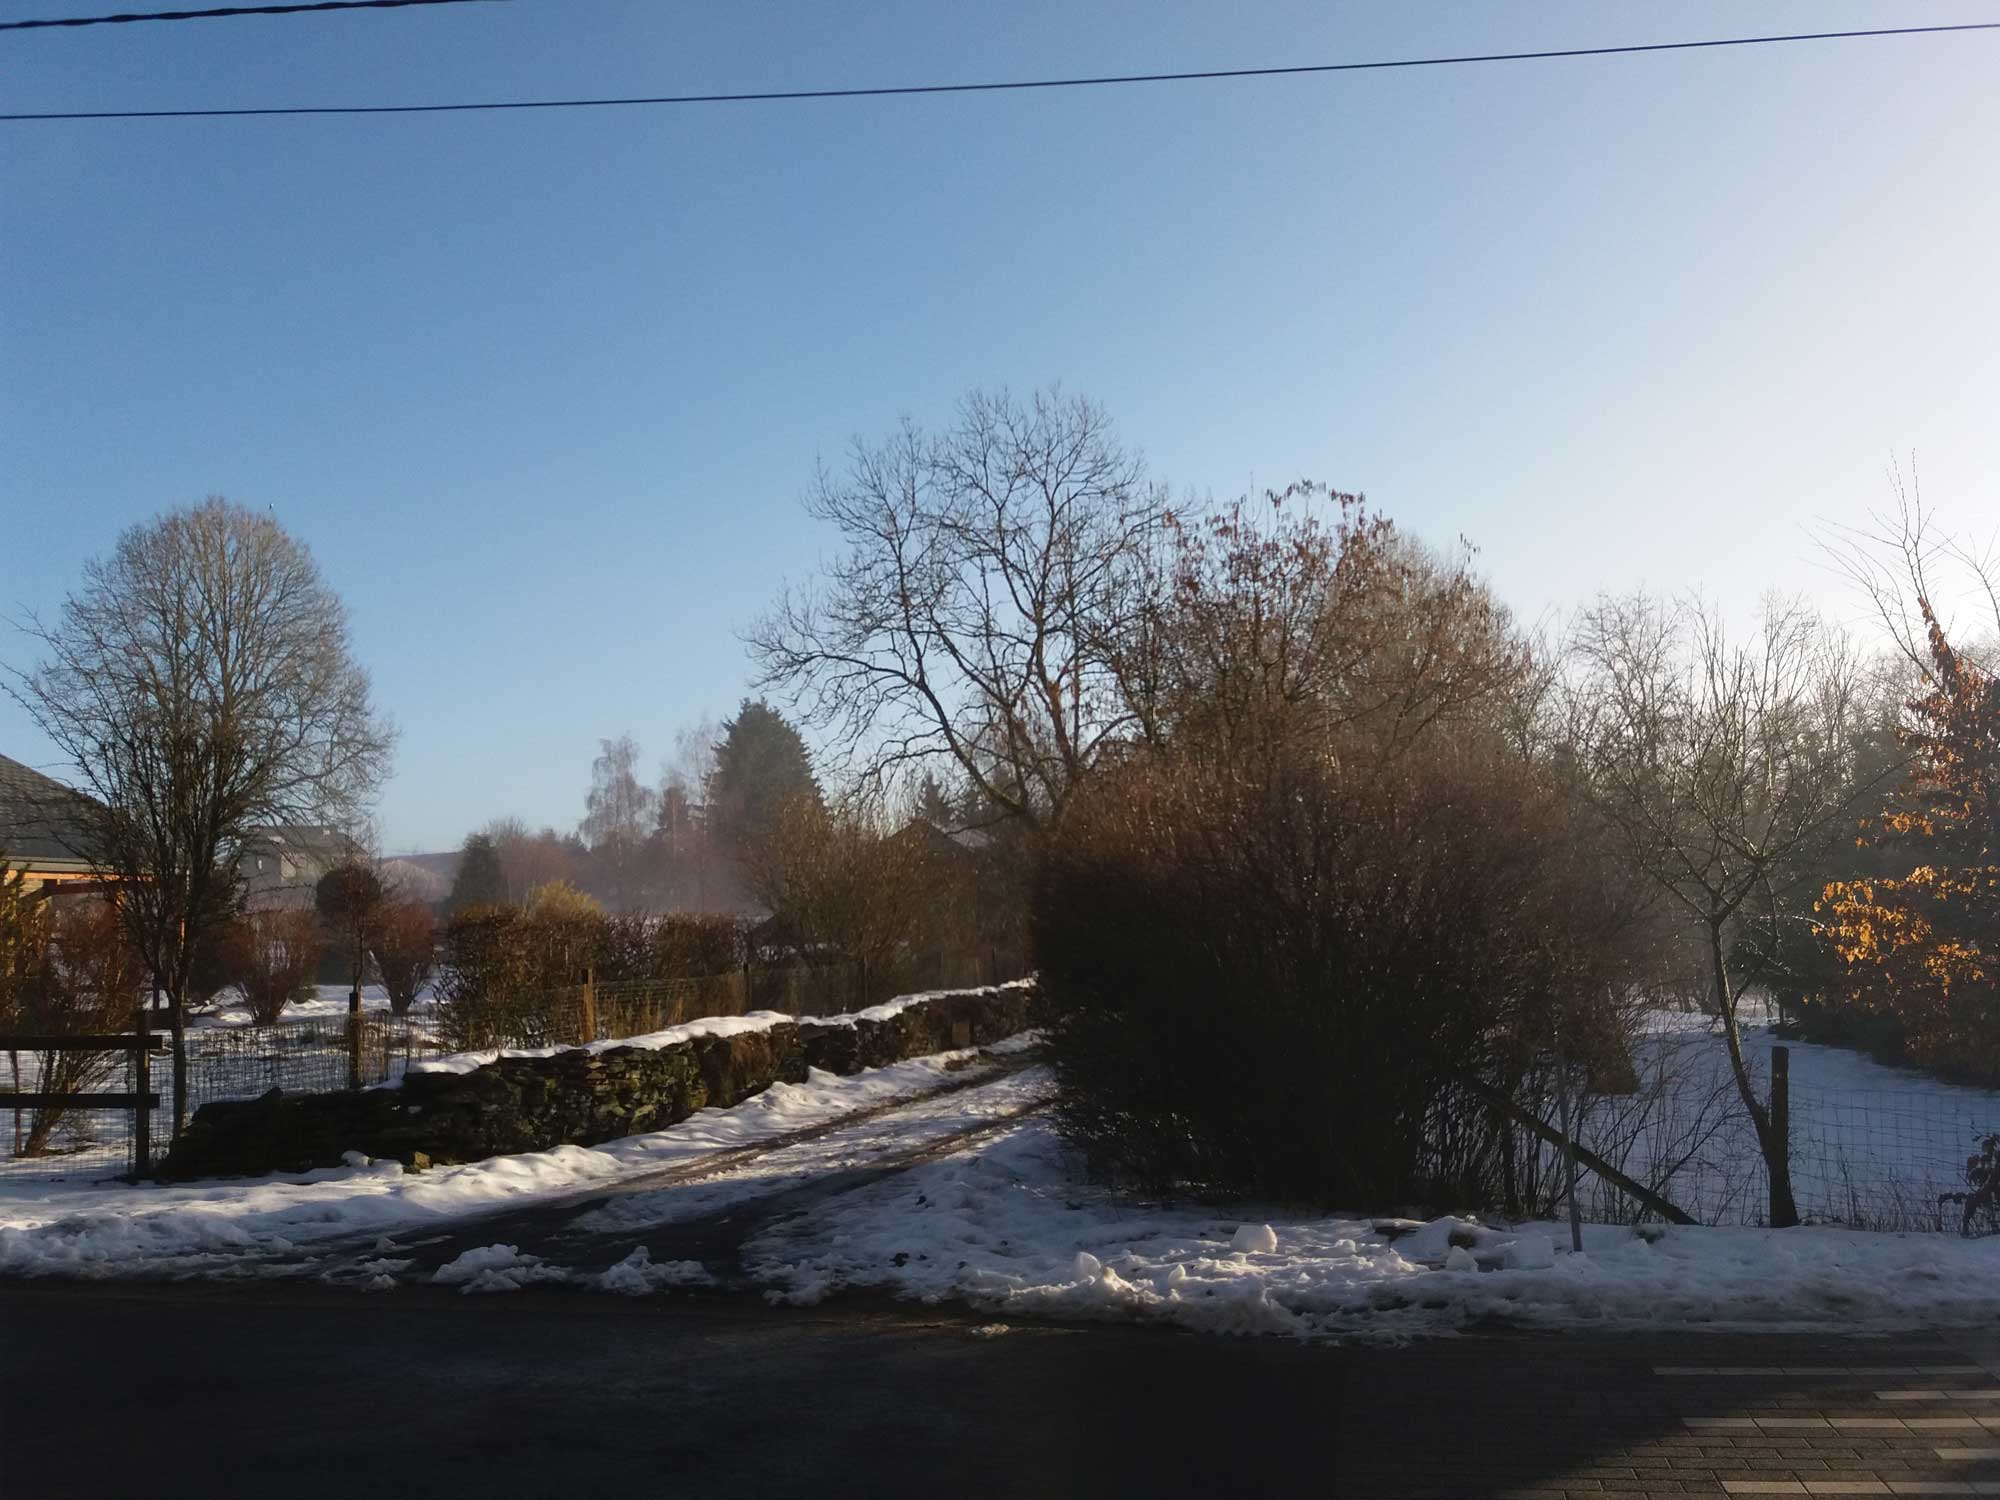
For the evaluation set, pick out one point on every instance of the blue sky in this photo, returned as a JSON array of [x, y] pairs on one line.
[[542, 390]]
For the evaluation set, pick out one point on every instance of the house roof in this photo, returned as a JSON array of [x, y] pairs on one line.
[[962, 840], [312, 840], [39, 825]]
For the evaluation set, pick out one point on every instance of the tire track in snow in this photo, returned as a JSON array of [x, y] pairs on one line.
[[558, 1229]]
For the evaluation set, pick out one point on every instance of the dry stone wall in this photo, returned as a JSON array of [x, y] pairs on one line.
[[580, 1097]]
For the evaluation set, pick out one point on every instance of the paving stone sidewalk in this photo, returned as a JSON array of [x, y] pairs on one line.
[[1684, 1414]]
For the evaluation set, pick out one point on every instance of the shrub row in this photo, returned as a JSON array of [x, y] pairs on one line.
[[502, 963], [578, 1097]]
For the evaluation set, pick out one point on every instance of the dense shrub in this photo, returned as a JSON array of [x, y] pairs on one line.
[[678, 945], [511, 976], [349, 898], [405, 951], [1267, 978], [273, 955], [847, 892]]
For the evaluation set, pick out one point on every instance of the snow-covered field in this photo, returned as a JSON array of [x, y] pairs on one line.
[[328, 1003], [1872, 1146]]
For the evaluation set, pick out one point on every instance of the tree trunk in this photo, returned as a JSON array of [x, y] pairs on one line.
[[1777, 1164]]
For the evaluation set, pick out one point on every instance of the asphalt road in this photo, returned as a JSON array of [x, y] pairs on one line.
[[292, 1392], [296, 1393]]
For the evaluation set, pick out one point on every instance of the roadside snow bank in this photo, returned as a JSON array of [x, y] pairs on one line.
[[1015, 1228]]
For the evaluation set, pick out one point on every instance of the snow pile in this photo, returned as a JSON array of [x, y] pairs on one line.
[[1014, 1228], [1256, 1239], [496, 1268], [639, 1275]]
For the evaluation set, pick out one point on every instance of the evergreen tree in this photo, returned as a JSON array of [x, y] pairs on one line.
[[760, 766], [934, 804], [480, 880]]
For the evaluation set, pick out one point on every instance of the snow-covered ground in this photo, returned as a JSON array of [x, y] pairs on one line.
[[1010, 1223], [328, 1003], [233, 1226], [1013, 1226]]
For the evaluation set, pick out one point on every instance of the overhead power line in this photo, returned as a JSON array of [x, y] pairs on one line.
[[775, 95], [221, 11]]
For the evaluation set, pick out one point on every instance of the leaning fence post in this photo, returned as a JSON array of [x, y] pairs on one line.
[[1568, 1146], [1781, 1131]]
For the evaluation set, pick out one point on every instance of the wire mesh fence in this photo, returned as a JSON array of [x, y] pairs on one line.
[[306, 1057], [326, 1054], [1904, 1158], [1875, 1159]]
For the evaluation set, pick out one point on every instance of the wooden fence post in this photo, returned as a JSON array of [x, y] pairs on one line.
[[142, 1115], [1781, 1138], [589, 1006], [1568, 1148], [354, 1038]]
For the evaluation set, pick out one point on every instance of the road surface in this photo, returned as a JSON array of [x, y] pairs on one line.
[[295, 1392]]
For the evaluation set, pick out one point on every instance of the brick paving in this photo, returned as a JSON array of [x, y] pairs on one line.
[[1513, 1417]]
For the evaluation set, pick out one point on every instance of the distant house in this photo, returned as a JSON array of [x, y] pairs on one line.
[[41, 829], [281, 866]]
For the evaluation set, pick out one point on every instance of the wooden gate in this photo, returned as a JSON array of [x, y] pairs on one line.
[[141, 1043]]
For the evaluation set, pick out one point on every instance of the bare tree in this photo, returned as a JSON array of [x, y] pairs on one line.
[[687, 770], [619, 813], [681, 831], [1899, 561], [528, 861], [1724, 771], [200, 684], [976, 613]]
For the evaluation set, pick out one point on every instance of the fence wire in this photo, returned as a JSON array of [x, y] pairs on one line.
[[1875, 1159], [1894, 1159], [328, 1054]]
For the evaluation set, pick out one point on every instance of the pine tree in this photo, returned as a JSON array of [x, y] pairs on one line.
[[480, 880], [1924, 948], [934, 805], [761, 765]]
